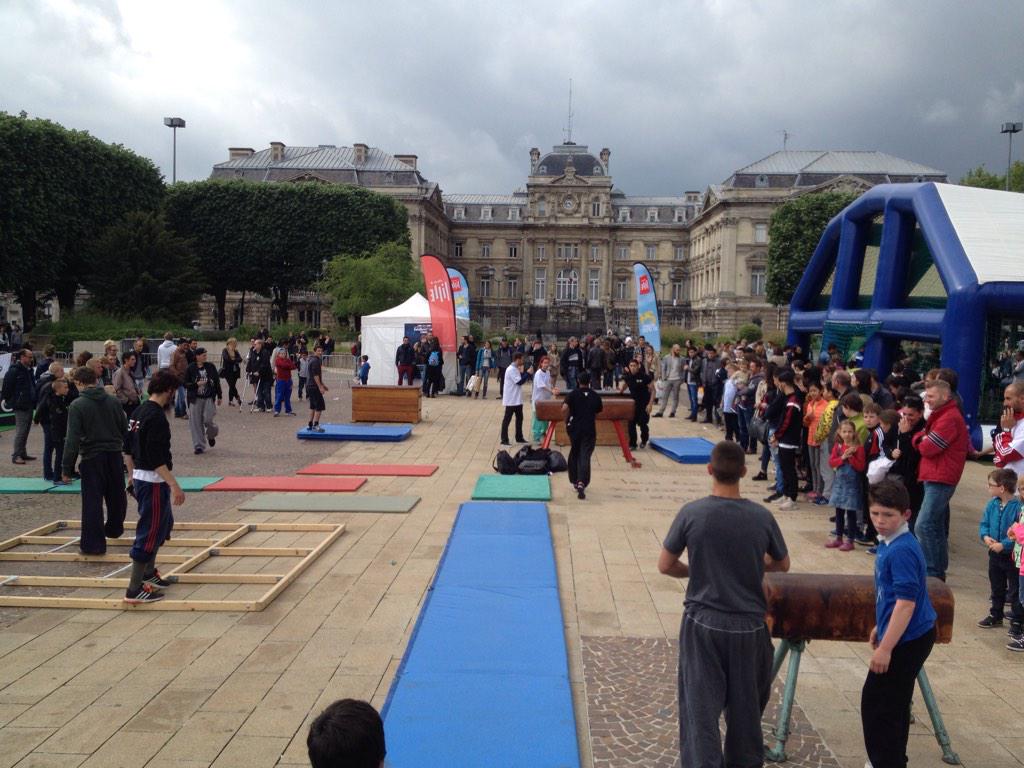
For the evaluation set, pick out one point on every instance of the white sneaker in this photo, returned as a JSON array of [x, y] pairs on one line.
[[787, 505]]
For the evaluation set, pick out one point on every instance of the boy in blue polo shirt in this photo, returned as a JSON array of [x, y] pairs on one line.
[[904, 628]]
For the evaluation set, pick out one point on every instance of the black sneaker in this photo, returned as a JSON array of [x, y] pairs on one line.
[[657, 415], [580, 491], [760, 476], [212, 441], [1017, 645], [1015, 630], [198, 451], [991, 621], [773, 497], [864, 541], [145, 594], [156, 580]]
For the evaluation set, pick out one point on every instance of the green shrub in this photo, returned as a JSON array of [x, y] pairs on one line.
[[750, 332], [777, 338], [476, 331]]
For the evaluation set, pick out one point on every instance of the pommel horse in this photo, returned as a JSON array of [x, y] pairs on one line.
[[818, 606], [615, 410]]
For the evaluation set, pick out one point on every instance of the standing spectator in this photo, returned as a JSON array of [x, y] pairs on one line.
[[502, 360], [732, 422], [140, 368], [515, 377], [52, 414], [484, 364], [466, 357], [1008, 441], [640, 384], [747, 400], [126, 387], [316, 389], [787, 437], [595, 364], [329, 345], [709, 380], [19, 393], [543, 389], [571, 362], [49, 352], [231, 369], [96, 430], [203, 385], [581, 407], [17, 337], [538, 352], [405, 361], [179, 365], [364, 370], [155, 489], [304, 370], [725, 647], [1001, 512], [694, 365], [433, 378], [283, 367], [5, 338], [260, 371], [1018, 367], [815, 406], [165, 351], [906, 458], [672, 375], [943, 445]]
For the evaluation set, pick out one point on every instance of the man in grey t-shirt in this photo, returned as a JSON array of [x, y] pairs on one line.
[[725, 649]]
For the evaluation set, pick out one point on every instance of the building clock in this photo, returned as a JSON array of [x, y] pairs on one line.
[[568, 204]]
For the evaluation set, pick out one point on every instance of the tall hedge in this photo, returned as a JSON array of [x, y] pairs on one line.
[[270, 238]]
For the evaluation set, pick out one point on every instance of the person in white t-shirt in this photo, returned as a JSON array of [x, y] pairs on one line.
[[512, 397], [542, 390]]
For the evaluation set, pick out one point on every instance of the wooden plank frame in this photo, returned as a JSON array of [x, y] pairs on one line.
[[226, 534]]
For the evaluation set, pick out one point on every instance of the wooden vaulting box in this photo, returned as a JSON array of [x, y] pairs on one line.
[[401, 405]]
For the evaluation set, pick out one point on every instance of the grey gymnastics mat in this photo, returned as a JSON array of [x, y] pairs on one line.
[[327, 502]]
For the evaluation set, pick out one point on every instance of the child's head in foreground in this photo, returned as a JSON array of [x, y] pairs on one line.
[[728, 463], [348, 734], [889, 504], [1002, 481]]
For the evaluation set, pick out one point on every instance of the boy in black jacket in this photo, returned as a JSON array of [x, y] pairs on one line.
[[202, 384], [52, 414], [155, 488]]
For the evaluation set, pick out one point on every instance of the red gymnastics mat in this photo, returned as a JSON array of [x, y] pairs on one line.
[[287, 484], [378, 470]]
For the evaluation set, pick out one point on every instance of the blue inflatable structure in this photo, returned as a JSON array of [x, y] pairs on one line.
[[972, 238]]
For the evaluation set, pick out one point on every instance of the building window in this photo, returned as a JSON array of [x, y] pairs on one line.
[[595, 208], [623, 214], [594, 284], [512, 288], [652, 214], [457, 250], [597, 171], [678, 215], [540, 283], [485, 287], [623, 253], [513, 250], [760, 233], [568, 251], [541, 252], [543, 169], [758, 278], [567, 285], [621, 289], [595, 253], [513, 213], [486, 213], [485, 250], [651, 252], [680, 252], [542, 207], [761, 181], [460, 212], [677, 291]]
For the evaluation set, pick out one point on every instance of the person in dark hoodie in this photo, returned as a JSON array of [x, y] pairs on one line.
[[96, 430], [204, 395], [52, 414], [155, 489]]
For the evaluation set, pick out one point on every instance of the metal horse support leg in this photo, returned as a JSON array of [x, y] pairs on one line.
[[781, 733], [948, 755]]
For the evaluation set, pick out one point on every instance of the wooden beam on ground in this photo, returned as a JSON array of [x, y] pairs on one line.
[[300, 566], [75, 557], [261, 551], [203, 543]]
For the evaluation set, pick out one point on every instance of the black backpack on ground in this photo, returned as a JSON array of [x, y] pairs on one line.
[[504, 463], [557, 462]]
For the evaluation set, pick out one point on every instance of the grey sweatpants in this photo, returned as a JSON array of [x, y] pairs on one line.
[[814, 465], [22, 426], [827, 473], [200, 421], [725, 665], [671, 393]]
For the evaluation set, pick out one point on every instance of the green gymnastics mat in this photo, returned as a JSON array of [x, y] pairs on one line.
[[188, 484], [512, 488], [327, 502], [24, 485]]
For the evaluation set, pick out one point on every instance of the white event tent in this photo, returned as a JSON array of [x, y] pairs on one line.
[[383, 332]]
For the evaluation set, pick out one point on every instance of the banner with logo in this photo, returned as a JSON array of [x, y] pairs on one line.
[[439, 296], [648, 324], [460, 292]]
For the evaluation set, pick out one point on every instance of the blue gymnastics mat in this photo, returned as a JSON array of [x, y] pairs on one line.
[[685, 450], [485, 679], [357, 432]]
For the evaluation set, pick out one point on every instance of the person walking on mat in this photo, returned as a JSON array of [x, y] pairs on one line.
[[155, 488], [581, 407]]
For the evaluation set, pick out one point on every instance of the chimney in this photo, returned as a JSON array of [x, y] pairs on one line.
[[240, 153], [276, 151], [534, 159], [605, 154], [409, 160], [361, 151]]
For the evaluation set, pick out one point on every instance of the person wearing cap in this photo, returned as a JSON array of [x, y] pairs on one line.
[[202, 385]]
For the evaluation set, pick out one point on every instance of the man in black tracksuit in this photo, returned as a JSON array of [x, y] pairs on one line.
[[261, 374], [155, 488], [580, 408], [640, 384]]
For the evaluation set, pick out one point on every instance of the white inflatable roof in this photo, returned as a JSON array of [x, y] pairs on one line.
[[990, 225]]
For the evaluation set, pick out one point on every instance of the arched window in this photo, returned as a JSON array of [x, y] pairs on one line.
[[567, 285]]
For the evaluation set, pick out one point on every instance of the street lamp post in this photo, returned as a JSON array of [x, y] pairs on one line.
[[174, 123], [1009, 129]]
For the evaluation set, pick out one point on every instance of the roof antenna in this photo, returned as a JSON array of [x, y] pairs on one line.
[[568, 128], [785, 138]]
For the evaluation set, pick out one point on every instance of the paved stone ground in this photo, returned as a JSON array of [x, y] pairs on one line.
[[631, 702], [110, 688]]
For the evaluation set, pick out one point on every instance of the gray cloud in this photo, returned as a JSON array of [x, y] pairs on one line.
[[682, 92]]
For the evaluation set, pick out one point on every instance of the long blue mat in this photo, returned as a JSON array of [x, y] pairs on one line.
[[685, 450], [357, 432], [485, 679]]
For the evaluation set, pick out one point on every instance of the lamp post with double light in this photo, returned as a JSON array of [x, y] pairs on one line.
[[1009, 129], [174, 123]]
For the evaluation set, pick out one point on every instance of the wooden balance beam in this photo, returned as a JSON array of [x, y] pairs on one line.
[[616, 412]]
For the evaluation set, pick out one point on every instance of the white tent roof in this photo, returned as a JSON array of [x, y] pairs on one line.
[[990, 225], [416, 307]]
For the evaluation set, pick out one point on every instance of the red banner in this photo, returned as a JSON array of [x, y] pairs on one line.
[[442, 306]]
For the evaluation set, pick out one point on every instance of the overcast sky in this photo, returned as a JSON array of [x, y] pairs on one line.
[[681, 92]]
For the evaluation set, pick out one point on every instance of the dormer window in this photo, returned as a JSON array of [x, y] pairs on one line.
[[761, 181], [652, 214], [542, 169], [597, 170], [513, 213], [389, 178], [460, 213], [678, 215], [485, 213], [623, 214]]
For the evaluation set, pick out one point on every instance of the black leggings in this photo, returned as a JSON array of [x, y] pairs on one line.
[[233, 390]]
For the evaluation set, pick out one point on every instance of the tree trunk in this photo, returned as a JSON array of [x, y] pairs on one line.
[[220, 295], [29, 305], [66, 291], [241, 309], [281, 300]]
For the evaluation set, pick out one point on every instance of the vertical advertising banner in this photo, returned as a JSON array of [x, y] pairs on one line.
[[460, 292], [648, 324], [439, 296]]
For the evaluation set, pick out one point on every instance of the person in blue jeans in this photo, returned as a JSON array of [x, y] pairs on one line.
[[692, 369], [466, 356]]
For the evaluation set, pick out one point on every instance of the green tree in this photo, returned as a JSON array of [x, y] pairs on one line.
[[270, 238], [793, 233], [979, 177], [139, 269], [371, 282], [60, 188]]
